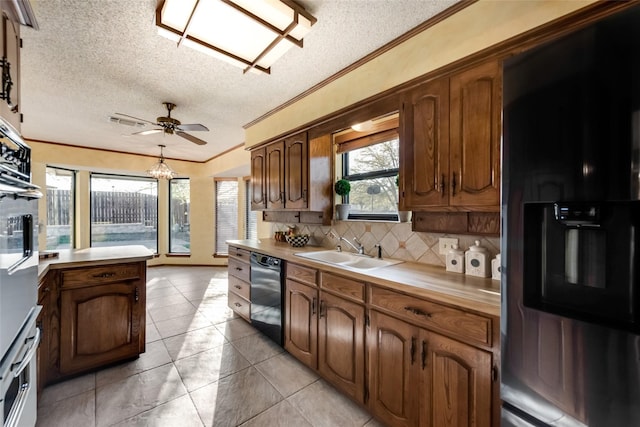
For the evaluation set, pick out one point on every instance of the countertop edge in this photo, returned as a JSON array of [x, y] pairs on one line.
[[420, 280], [72, 258]]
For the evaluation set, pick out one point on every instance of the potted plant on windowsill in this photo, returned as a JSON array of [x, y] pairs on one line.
[[403, 216], [342, 188]]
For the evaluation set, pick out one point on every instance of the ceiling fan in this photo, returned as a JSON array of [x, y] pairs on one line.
[[169, 125]]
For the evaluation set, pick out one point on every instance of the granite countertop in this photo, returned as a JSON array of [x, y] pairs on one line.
[[473, 293], [93, 256]]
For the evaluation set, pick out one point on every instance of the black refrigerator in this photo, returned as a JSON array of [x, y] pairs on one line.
[[570, 324]]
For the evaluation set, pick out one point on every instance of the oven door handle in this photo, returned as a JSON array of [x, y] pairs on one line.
[[19, 366]]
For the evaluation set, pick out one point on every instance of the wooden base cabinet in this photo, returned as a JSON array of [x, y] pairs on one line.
[[341, 344], [420, 378], [326, 331], [301, 324], [239, 278], [394, 376], [91, 317], [99, 325]]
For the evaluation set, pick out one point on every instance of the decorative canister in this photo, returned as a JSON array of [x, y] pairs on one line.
[[455, 260], [495, 268], [477, 261]]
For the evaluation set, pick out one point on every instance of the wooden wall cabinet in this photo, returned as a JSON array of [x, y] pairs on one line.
[[92, 316], [11, 43], [450, 150], [293, 175], [239, 277]]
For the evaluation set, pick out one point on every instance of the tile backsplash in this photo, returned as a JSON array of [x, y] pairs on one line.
[[397, 239]]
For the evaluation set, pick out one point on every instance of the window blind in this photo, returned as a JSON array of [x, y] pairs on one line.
[[226, 214]]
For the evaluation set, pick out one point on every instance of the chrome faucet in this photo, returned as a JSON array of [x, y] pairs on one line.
[[359, 249]]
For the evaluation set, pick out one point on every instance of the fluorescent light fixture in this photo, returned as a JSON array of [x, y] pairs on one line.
[[161, 170], [251, 34]]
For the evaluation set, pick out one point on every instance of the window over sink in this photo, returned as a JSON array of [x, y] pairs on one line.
[[369, 157]]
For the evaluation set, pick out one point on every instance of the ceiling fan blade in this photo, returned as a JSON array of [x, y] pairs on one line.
[[136, 118], [192, 127], [148, 132], [191, 138]]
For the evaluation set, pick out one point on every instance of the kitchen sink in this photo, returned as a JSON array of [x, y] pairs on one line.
[[347, 259]]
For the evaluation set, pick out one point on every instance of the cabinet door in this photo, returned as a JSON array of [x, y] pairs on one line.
[[458, 382], [100, 324], [476, 107], [296, 161], [275, 175], [301, 325], [341, 344], [258, 179], [394, 375], [11, 52], [424, 151]]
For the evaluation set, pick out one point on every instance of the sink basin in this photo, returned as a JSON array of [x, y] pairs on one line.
[[349, 260]]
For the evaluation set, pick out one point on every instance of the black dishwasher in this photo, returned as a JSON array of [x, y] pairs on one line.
[[267, 295]]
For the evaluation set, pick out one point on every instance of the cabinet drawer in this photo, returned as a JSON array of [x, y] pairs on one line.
[[454, 322], [302, 274], [241, 254], [240, 305], [79, 277], [239, 269], [343, 286], [239, 287]]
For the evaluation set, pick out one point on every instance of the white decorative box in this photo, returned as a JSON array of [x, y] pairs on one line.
[[477, 261], [455, 260]]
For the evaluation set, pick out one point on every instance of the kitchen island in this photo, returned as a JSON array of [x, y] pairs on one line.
[[94, 309], [412, 343]]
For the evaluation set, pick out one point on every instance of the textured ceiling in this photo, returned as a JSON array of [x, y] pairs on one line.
[[93, 58]]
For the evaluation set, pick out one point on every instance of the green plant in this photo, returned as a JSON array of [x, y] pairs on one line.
[[342, 187]]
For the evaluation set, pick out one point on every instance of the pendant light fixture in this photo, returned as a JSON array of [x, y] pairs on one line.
[[161, 170]]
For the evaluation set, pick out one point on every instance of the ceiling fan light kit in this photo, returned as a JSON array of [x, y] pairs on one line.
[[251, 34], [161, 170]]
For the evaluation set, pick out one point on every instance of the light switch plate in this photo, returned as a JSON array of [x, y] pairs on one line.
[[445, 244]]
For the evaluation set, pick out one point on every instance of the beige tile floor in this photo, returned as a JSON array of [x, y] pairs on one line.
[[202, 367]]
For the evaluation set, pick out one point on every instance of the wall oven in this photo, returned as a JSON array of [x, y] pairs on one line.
[[19, 337], [18, 380]]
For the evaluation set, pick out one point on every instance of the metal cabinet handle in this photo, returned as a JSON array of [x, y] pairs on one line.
[[413, 350], [323, 308], [238, 268], [136, 294], [417, 311], [237, 304], [237, 286], [313, 306], [442, 185], [453, 184], [424, 354], [104, 275]]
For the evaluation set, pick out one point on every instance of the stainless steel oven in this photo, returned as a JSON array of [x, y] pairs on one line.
[[19, 337], [18, 380]]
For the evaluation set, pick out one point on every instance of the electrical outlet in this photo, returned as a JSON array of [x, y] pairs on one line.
[[445, 244]]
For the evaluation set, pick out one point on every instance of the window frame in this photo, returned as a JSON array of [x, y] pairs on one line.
[[122, 177], [170, 232], [382, 173], [72, 208]]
